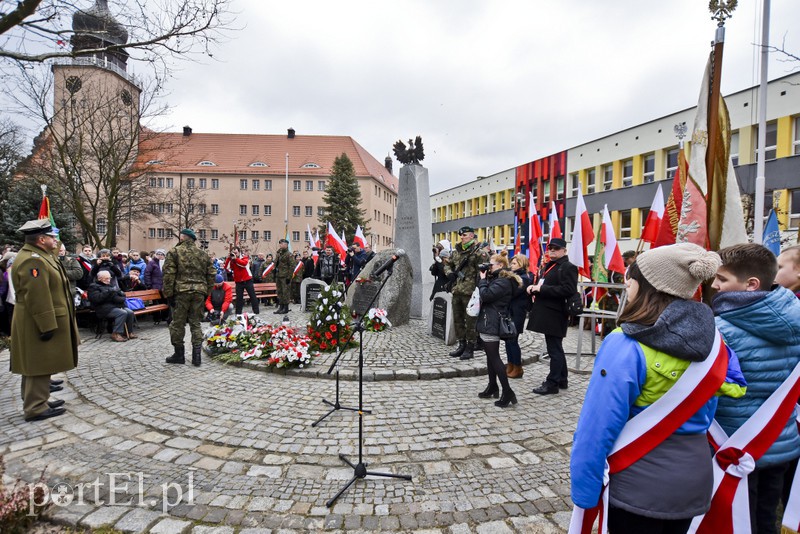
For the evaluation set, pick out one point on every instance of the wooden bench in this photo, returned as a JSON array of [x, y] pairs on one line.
[[264, 290], [153, 301]]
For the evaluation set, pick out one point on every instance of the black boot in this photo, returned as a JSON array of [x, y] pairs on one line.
[[469, 351], [491, 391], [178, 357], [479, 345], [196, 355], [459, 350], [508, 397], [279, 310]]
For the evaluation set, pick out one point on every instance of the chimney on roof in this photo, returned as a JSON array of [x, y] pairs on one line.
[[290, 133], [187, 131], [388, 163]]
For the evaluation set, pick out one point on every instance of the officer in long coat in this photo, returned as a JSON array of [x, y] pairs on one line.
[[548, 316], [188, 279], [284, 266], [44, 334]]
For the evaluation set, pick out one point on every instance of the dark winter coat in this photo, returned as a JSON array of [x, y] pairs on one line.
[[153, 276], [521, 302], [440, 282], [111, 267], [105, 298], [496, 291], [549, 310]]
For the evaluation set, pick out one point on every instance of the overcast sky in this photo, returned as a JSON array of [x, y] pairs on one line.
[[487, 84]]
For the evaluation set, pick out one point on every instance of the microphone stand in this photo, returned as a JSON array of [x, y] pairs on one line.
[[360, 469]]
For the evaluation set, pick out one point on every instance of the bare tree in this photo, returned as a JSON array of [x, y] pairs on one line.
[[182, 207], [34, 31]]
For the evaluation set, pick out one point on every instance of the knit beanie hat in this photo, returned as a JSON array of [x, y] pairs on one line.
[[218, 279], [678, 269]]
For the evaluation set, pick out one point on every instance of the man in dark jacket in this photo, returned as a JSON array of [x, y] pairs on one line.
[[109, 303], [133, 280], [327, 268], [558, 282]]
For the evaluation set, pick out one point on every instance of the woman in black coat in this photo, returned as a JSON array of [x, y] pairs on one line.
[[496, 287], [518, 309]]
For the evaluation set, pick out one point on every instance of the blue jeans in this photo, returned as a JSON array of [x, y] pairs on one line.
[[513, 351]]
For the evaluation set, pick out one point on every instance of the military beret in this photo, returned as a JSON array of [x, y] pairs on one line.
[[283, 241], [465, 229], [38, 226], [190, 233]]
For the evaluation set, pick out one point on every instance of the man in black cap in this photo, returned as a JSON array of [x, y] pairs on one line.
[[188, 279], [284, 266], [549, 316], [43, 342], [462, 274]]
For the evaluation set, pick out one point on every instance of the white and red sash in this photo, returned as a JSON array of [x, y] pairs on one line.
[[650, 427], [736, 458], [297, 268], [268, 269]]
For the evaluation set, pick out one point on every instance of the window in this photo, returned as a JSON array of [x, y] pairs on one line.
[[575, 184], [201, 209], [190, 207], [608, 177], [254, 209], [242, 235], [320, 211], [625, 224], [101, 226], [627, 173], [160, 182], [311, 166], [202, 234], [547, 191], [214, 209], [590, 180], [309, 211], [649, 171], [559, 188], [254, 235], [771, 142], [296, 185], [267, 210], [267, 235], [214, 234], [794, 208], [309, 185], [206, 163], [153, 181], [258, 164], [735, 148], [321, 185], [295, 236], [296, 211], [170, 207], [203, 183], [161, 233], [267, 185], [243, 185], [256, 185], [151, 233], [796, 142], [535, 191], [190, 183], [215, 183], [643, 212], [169, 183], [672, 163], [242, 209]]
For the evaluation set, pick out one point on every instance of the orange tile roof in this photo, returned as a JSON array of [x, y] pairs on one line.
[[233, 154]]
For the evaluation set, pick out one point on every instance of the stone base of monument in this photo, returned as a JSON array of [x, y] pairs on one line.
[[396, 295], [440, 319], [309, 292]]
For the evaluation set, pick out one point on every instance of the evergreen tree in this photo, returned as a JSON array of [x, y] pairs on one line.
[[343, 200], [22, 205]]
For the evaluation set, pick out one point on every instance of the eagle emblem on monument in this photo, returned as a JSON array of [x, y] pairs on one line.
[[411, 155]]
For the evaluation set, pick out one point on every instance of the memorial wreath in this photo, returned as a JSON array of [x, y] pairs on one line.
[[329, 326]]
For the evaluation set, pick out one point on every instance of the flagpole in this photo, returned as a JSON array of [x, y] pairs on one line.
[[758, 210]]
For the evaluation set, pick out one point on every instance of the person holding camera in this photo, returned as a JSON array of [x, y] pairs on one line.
[[284, 266], [105, 262], [496, 285], [440, 257], [218, 302], [239, 263], [462, 275]]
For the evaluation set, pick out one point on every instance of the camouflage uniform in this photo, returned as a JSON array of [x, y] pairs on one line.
[[188, 279], [284, 265], [297, 279], [466, 280]]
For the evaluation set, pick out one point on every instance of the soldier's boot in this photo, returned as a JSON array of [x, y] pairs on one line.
[[196, 355], [178, 357], [459, 350], [280, 309], [469, 351]]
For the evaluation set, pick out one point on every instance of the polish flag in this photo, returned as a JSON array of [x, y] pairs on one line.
[[654, 217], [555, 226], [359, 237], [335, 241], [534, 233], [344, 240], [582, 235], [612, 258]]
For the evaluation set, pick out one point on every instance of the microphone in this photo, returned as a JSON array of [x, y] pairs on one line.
[[379, 271]]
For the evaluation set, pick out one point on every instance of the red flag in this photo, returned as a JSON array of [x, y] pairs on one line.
[[612, 258], [582, 235], [335, 241], [359, 237], [297, 268], [654, 217], [534, 235], [555, 227], [672, 211]]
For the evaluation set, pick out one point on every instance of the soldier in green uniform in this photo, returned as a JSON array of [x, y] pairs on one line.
[[462, 274], [188, 279], [44, 334], [284, 265]]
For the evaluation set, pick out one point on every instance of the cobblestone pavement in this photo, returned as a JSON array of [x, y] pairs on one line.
[[238, 442]]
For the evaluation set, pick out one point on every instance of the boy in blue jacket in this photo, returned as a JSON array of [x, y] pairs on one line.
[[762, 324]]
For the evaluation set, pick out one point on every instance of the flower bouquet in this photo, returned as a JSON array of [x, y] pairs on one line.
[[248, 337], [329, 326], [376, 320]]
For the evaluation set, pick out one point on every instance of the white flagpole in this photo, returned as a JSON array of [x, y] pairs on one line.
[[758, 215]]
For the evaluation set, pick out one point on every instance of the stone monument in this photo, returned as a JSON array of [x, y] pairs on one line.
[[440, 323], [309, 291], [413, 233], [394, 297]]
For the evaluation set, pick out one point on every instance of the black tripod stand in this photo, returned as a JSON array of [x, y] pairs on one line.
[[360, 468]]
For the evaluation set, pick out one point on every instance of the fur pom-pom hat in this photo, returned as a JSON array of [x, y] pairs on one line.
[[678, 269]]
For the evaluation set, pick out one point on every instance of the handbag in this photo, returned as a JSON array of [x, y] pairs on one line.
[[474, 304], [508, 330], [134, 303], [575, 305]]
